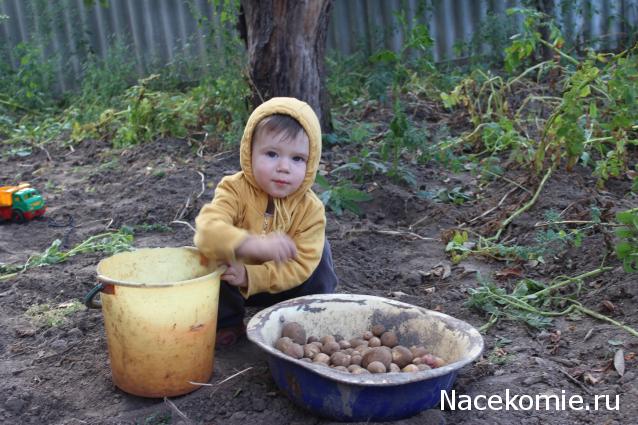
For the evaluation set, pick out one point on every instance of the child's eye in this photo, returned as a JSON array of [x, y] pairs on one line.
[[271, 154], [298, 159]]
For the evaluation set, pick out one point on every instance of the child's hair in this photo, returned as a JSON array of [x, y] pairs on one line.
[[290, 127], [280, 123]]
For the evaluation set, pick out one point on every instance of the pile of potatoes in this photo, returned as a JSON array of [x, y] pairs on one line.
[[376, 351]]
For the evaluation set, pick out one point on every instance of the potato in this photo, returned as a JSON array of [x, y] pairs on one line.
[[349, 351], [362, 349], [376, 367], [394, 368], [355, 359], [327, 338], [312, 339], [367, 335], [410, 368], [374, 342], [432, 360], [306, 359], [294, 331], [389, 339], [341, 369], [310, 350], [330, 347], [321, 358], [360, 371], [344, 344], [418, 351], [378, 329], [353, 367], [423, 366], [282, 343], [380, 354], [355, 342], [401, 356], [293, 350], [340, 359]]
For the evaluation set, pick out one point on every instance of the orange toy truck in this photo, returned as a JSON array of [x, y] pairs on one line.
[[20, 203]]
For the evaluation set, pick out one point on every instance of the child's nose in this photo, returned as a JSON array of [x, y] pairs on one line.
[[283, 165]]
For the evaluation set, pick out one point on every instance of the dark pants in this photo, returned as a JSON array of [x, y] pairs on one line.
[[232, 304]]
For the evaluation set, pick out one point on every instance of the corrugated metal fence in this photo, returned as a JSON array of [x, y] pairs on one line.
[[158, 30]]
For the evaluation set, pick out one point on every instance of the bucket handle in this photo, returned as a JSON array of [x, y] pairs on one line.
[[88, 298]]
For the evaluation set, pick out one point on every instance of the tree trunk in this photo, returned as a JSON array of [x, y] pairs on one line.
[[547, 7], [286, 42]]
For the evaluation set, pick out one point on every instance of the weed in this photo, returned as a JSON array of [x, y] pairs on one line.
[[108, 243], [535, 303], [366, 165], [498, 355], [341, 197], [627, 246], [31, 84], [52, 316], [103, 82], [456, 195], [152, 227]]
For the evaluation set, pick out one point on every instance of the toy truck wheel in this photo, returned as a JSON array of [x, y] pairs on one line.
[[17, 216]]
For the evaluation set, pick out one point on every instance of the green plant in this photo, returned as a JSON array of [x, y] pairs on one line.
[[108, 243], [103, 82], [364, 166], [52, 316], [30, 85], [346, 78], [403, 138], [341, 197], [627, 246], [536, 303], [528, 41], [498, 355], [152, 227], [456, 195]]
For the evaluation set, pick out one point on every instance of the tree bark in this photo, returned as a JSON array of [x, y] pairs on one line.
[[547, 7], [286, 42]]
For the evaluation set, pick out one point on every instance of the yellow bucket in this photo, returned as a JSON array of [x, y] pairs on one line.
[[160, 315]]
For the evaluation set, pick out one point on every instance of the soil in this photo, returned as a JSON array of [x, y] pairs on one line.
[[60, 374]]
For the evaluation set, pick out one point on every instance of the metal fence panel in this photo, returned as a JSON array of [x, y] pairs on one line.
[[158, 30]]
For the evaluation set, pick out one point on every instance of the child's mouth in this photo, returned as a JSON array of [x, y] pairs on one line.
[[280, 182]]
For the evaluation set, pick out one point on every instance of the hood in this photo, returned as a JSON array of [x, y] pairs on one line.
[[298, 110]]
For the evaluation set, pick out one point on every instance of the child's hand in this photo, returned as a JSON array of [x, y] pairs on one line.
[[277, 247], [235, 275]]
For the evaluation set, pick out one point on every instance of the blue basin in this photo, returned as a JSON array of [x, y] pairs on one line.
[[369, 397]]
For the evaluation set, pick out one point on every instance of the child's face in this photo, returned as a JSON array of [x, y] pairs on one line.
[[279, 166]]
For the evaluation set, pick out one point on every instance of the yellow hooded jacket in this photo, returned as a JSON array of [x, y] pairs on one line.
[[239, 209]]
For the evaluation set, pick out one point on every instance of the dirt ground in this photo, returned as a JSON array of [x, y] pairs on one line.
[[60, 374]]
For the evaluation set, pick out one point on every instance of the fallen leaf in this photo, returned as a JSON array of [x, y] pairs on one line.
[[609, 306], [441, 270], [590, 379], [506, 273], [24, 332], [619, 362], [589, 334]]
